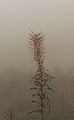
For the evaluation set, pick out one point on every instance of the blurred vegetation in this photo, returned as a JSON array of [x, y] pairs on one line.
[[14, 94]]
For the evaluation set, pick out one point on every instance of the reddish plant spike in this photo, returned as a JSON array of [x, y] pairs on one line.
[[37, 45]]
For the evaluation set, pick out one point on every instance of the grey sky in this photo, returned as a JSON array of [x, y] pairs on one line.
[[55, 18]]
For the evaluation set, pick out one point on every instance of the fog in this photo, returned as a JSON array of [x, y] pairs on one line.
[[55, 19]]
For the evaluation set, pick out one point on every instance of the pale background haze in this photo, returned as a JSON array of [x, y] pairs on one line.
[[55, 18]]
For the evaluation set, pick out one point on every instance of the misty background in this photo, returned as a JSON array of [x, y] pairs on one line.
[[55, 19]]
